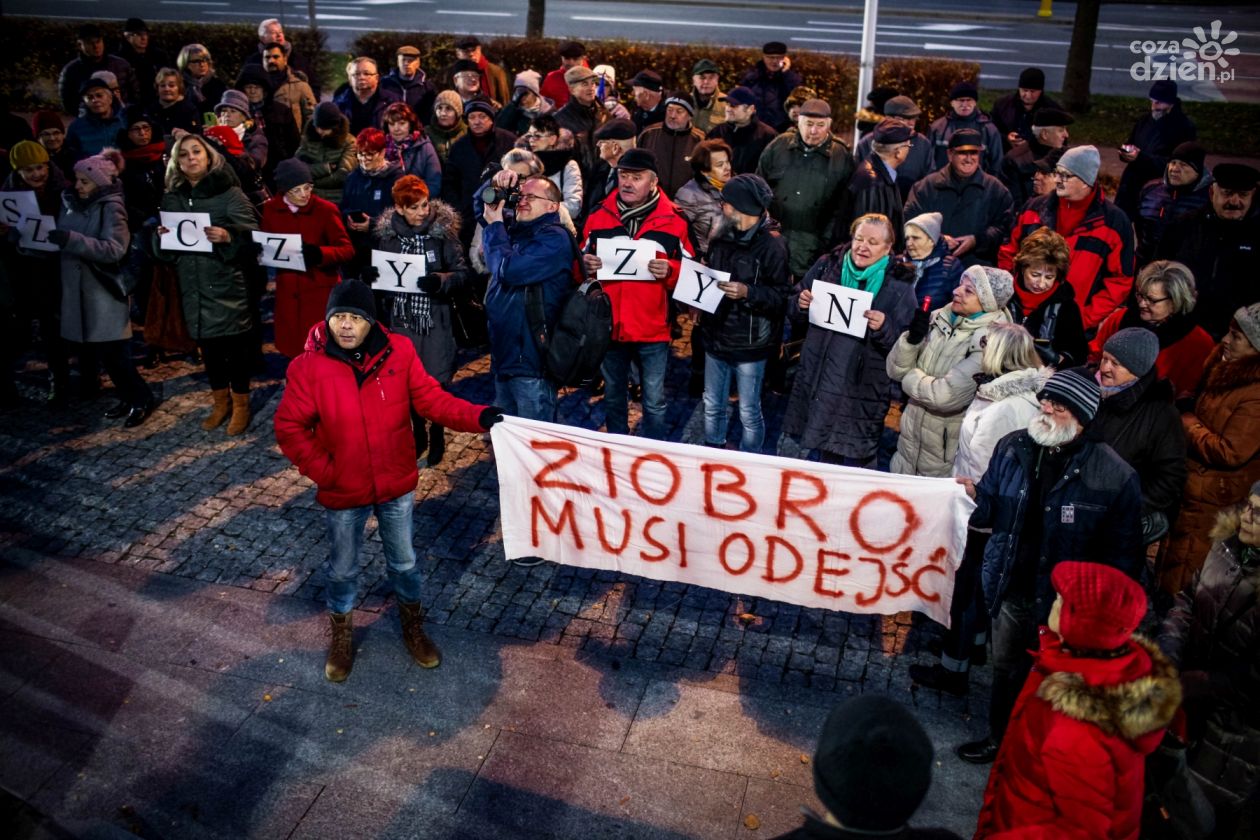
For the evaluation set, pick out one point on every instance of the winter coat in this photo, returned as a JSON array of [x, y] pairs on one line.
[[330, 158], [1073, 761], [700, 203], [443, 139], [419, 157], [273, 138], [89, 134], [1017, 169], [919, 163], [747, 142], [709, 112], [206, 92], [749, 329], [347, 426], [673, 152], [443, 256], [808, 189], [494, 80], [938, 375], [1183, 347], [98, 242], [582, 120], [1055, 326], [944, 127], [212, 285], [302, 296], [1009, 114], [1155, 140], [1159, 204], [184, 114], [937, 275], [640, 308], [980, 206], [1222, 456], [872, 189], [539, 252], [79, 70], [562, 168], [418, 92], [841, 392], [1212, 634], [370, 114], [1092, 513], [772, 91], [465, 170], [1101, 245], [295, 95], [1144, 428], [1002, 405], [1222, 254], [143, 181]]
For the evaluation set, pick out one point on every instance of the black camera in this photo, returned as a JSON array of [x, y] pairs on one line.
[[510, 196]]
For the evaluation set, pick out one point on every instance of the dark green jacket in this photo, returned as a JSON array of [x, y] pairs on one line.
[[809, 187]]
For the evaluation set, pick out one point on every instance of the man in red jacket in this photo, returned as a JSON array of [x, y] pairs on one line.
[[640, 308], [345, 422]]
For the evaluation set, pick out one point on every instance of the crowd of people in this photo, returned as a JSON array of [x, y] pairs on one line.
[[1087, 367]]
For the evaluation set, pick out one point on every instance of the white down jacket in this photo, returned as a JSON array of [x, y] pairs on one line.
[[1002, 405]]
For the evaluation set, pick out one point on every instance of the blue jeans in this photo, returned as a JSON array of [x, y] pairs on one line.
[[717, 390], [345, 534], [533, 398], [653, 357]]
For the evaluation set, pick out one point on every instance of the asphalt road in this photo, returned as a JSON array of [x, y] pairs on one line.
[[1003, 37]]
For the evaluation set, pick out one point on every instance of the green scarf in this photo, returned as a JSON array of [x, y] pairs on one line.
[[870, 279]]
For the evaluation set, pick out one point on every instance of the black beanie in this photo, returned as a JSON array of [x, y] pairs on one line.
[[1033, 78], [291, 173], [873, 765], [747, 193], [1190, 153], [327, 115], [254, 74], [354, 297]]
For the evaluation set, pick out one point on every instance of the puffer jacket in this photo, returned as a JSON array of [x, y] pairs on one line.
[[1144, 428], [841, 392], [1223, 459], [1073, 760], [937, 275], [1002, 405], [330, 158], [938, 375], [750, 329], [1212, 633], [346, 423], [417, 156], [1159, 204], [212, 286], [700, 203], [1183, 346], [98, 242]]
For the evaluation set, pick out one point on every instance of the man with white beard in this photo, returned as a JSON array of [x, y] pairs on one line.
[[1050, 494]]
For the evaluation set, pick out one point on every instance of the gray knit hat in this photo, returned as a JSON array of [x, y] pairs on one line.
[[233, 99], [1248, 318], [1076, 389], [929, 223], [1135, 348], [292, 173], [1083, 162], [994, 286]]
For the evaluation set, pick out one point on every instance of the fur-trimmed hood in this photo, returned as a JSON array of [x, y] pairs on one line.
[[443, 220], [1015, 383], [1220, 376], [1130, 710]]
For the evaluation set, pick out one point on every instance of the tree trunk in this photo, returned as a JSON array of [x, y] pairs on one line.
[[1080, 60], [534, 20]]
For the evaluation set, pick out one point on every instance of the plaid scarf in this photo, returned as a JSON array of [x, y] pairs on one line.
[[632, 217]]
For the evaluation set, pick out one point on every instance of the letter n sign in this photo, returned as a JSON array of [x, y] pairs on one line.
[[840, 308]]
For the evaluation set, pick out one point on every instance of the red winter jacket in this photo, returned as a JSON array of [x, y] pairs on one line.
[[347, 426], [1073, 761], [640, 308], [1101, 271], [302, 297]]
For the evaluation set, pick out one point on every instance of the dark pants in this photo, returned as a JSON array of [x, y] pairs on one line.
[[228, 360], [116, 359], [1014, 635], [848, 461], [968, 618]]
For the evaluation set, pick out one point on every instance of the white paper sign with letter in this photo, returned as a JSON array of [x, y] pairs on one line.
[[186, 232], [839, 308], [698, 285], [34, 233], [280, 250], [17, 205], [625, 259], [398, 272]]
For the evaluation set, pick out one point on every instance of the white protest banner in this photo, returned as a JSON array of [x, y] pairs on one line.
[[16, 205], [839, 308], [398, 272], [625, 259], [698, 285], [280, 250], [811, 534], [186, 232], [34, 233]]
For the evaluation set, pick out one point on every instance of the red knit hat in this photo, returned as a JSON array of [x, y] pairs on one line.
[[46, 119], [1102, 606], [226, 138], [370, 140]]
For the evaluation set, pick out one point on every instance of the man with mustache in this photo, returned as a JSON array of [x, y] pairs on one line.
[[1050, 494]]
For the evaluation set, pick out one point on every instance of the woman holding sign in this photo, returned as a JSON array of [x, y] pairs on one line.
[[209, 260], [841, 391]]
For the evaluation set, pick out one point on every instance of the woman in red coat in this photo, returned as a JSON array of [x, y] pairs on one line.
[[1096, 703], [302, 296]]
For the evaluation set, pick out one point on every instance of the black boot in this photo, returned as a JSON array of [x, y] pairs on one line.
[[983, 751], [437, 445], [935, 676]]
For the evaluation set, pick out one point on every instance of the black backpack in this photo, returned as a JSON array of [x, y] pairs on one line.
[[572, 348]]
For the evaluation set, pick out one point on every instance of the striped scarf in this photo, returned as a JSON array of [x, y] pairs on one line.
[[412, 310], [632, 217]]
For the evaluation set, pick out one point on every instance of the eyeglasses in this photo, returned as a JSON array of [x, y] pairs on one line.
[[1063, 175], [368, 155], [526, 197], [1055, 407], [364, 75], [198, 61], [1147, 299]]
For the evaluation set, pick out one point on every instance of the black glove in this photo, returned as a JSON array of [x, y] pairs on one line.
[[369, 274], [1154, 526], [312, 255], [919, 326], [430, 284], [490, 415], [59, 237], [255, 247]]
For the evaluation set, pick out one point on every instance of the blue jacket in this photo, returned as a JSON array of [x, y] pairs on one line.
[[418, 92], [421, 159], [939, 279], [370, 114], [88, 134], [369, 194], [540, 251], [1093, 513]]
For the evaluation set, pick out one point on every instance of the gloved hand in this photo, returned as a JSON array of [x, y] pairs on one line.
[[430, 284], [255, 247], [919, 324], [369, 274], [59, 237], [490, 415], [312, 255], [1154, 526]]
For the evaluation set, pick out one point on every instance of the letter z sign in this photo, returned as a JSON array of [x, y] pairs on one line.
[[280, 250], [625, 259]]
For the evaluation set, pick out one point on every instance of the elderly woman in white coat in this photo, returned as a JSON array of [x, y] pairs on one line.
[[936, 361], [93, 238]]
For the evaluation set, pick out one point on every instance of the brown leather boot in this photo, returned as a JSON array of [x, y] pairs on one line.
[[240, 413], [419, 645], [218, 410], [340, 647]]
